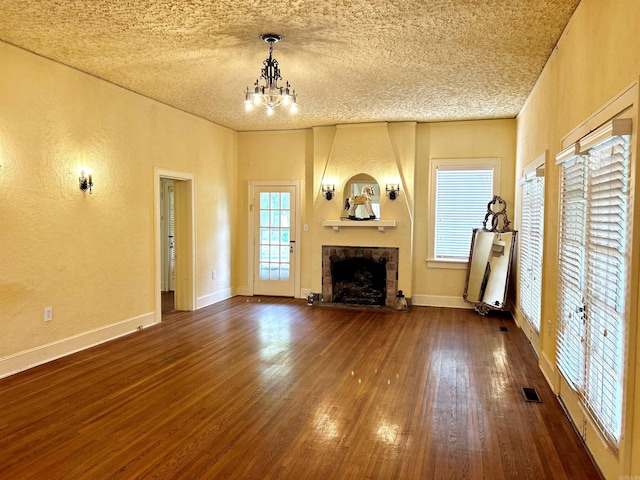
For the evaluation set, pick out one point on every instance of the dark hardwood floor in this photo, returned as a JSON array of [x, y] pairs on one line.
[[167, 302], [249, 389]]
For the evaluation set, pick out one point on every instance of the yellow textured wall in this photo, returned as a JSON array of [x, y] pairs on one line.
[[277, 155], [597, 57], [92, 257], [474, 139]]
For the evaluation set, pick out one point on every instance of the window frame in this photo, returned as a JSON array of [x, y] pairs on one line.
[[455, 164]]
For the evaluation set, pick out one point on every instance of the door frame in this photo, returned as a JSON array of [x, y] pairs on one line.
[[253, 184], [189, 263]]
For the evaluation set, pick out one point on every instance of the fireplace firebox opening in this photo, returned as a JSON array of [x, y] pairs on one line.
[[359, 281], [360, 275]]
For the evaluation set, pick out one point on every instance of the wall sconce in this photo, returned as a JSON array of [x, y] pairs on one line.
[[328, 191], [393, 190], [86, 181]]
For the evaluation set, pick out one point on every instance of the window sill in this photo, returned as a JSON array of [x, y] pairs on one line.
[[448, 264]]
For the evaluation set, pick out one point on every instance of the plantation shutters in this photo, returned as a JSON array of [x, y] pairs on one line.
[[531, 232], [593, 270]]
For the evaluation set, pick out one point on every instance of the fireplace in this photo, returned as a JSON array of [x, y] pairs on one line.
[[359, 275]]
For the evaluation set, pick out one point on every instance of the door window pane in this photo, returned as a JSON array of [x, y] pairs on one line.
[[284, 272], [264, 271], [274, 272], [275, 200], [285, 217], [275, 218], [286, 201], [264, 200], [264, 218]]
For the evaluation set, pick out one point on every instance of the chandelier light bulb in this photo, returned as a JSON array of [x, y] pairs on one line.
[[270, 94], [247, 100], [286, 96]]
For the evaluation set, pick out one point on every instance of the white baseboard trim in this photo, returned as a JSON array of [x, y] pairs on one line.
[[61, 348], [439, 301], [212, 298]]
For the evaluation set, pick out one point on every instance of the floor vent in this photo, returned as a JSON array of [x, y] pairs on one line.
[[531, 395], [503, 328]]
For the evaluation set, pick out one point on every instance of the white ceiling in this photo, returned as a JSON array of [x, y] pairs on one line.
[[350, 61]]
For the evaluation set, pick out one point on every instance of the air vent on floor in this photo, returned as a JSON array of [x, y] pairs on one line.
[[531, 395], [503, 328]]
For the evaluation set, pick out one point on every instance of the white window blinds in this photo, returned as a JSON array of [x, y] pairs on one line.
[[531, 239], [593, 266], [462, 195], [570, 354], [606, 278]]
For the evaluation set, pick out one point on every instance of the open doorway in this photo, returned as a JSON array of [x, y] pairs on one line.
[[167, 244], [174, 243]]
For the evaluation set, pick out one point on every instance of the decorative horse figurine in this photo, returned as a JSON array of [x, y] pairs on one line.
[[363, 199]]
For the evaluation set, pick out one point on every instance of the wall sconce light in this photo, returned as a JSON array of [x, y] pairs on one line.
[[328, 191], [86, 181], [393, 190]]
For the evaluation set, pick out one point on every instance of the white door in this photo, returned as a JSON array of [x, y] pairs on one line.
[[275, 242]]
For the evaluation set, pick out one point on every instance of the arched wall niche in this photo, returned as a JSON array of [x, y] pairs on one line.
[[355, 186]]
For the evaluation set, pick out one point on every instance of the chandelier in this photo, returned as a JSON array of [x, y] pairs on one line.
[[270, 94]]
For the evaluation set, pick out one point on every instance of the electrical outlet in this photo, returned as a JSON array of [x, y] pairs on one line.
[[214, 274], [48, 314]]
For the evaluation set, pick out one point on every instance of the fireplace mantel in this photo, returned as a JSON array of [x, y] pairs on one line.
[[379, 224]]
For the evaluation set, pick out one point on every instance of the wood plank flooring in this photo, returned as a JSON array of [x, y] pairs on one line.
[[265, 388], [167, 302]]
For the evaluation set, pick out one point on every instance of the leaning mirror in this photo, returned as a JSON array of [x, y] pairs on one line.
[[490, 260]]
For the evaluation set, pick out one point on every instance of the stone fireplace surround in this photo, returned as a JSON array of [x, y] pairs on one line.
[[377, 254]]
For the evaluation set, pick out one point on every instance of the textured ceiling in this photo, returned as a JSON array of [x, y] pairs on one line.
[[350, 61]]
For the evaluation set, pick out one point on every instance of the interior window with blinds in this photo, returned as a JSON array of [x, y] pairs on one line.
[[593, 271], [530, 245], [461, 197]]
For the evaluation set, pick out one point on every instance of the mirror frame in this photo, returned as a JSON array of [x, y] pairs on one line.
[[496, 218]]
